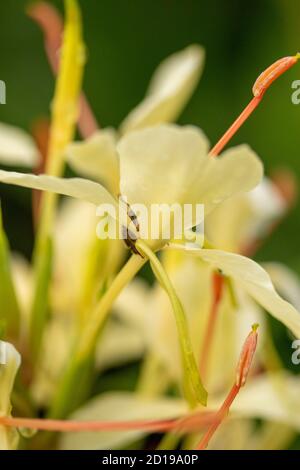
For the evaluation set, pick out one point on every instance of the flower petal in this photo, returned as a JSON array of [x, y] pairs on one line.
[[236, 171], [244, 217], [75, 187], [9, 364], [119, 406], [71, 251], [97, 158], [17, 148], [131, 346], [251, 277], [286, 282], [158, 164], [170, 88], [272, 397]]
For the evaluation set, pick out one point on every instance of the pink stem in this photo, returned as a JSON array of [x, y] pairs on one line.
[[89, 426], [236, 125]]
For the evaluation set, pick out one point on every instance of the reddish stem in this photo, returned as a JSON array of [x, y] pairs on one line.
[[49, 20], [203, 419]]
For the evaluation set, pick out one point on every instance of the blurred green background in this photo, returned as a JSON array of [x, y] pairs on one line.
[[126, 39]]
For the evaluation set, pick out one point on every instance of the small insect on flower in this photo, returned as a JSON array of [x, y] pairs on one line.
[[268, 76]]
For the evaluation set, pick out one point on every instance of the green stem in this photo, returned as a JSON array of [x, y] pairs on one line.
[[193, 388]]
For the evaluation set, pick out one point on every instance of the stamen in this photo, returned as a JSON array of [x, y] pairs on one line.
[[50, 22], [245, 361], [260, 87]]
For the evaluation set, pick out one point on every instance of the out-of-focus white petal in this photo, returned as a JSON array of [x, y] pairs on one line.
[[119, 345], [23, 279], [244, 218], [251, 277], [119, 406], [10, 361], [159, 164], [191, 279], [261, 399], [125, 336], [169, 164], [97, 158], [170, 88], [267, 205], [74, 233], [17, 148]]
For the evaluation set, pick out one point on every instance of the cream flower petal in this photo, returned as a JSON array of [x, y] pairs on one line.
[[97, 158], [75, 187], [251, 277], [130, 346], [9, 364], [159, 164], [170, 88], [119, 406], [236, 171], [127, 327], [22, 274], [261, 399], [17, 148]]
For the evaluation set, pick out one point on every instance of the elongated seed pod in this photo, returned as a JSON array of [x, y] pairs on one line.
[[269, 75]]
